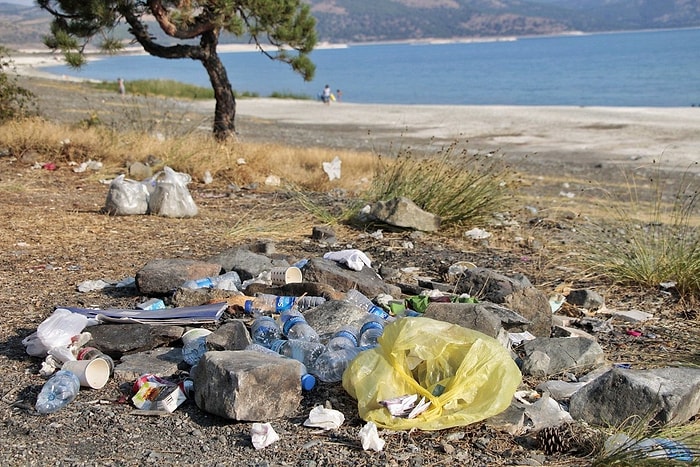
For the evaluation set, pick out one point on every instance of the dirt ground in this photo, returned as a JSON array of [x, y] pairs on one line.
[[55, 237]]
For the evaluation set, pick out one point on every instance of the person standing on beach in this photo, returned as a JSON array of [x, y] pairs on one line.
[[338, 95], [326, 95], [122, 88]]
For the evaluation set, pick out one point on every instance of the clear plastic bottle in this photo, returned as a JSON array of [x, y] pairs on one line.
[[371, 330], [228, 281], [358, 299], [193, 350], [303, 351], [345, 338], [295, 327], [308, 381], [265, 330], [331, 364], [60, 390], [279, 303]]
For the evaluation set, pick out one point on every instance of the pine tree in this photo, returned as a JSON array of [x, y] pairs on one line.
[[283, 30]]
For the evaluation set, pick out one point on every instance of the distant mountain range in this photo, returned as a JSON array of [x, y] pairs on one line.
[[341, 21]]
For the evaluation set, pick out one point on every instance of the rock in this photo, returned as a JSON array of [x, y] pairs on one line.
[[585, 298], [311, 289], [468, 315], [661, 395], [547, 356], [233, 335], [163, 276], [162, 362], [489, 284], [342, 279], [511, 420], [195, 297], [323, 233], [560, 390], [245, 385], [404, 213], [116, 340], [332, 315], [633, 316], [246, 263], [534, 305]]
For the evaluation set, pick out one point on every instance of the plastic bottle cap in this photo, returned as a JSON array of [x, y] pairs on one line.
[[308, 382]]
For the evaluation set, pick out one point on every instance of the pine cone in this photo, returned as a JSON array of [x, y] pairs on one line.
[[554, 439]]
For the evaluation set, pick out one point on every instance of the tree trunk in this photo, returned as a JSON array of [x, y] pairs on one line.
[[225, 111]]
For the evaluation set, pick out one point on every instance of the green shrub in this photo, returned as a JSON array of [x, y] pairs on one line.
[[15, 101], [459, 187]]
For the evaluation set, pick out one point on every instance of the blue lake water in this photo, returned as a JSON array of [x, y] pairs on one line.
[[650, 68]]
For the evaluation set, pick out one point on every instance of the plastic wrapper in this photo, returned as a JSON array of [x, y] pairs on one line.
[[55, 331], [171, 198], [465, 375], [126, 197]]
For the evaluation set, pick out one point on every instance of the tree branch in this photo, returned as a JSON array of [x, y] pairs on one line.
[[161, 15]]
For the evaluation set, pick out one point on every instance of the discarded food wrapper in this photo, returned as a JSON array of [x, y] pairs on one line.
[[370, 438], [262, 435], [155, 393], [321, 417], [354, 259], [517, 338]]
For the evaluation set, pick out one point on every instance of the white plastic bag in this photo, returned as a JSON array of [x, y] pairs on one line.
[[126, 197], [55, 331], [171, 198]]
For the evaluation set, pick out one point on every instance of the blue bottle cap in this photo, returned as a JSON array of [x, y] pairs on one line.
[[308, 382]]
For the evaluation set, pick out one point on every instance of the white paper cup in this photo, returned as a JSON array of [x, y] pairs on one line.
[[193, 334], [281, 276], [91, 373]]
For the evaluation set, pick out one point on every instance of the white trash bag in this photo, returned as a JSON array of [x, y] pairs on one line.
[[126, 197], [171, 198]]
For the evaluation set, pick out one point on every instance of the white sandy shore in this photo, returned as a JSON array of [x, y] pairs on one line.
[[632, 135]]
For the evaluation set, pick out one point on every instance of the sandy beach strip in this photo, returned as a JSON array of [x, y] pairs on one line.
[[616, 135]]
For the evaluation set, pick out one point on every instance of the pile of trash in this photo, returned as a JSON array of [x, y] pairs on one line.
[[210, 331]]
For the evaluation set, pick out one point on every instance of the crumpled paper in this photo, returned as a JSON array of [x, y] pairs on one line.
[[406, 406], [262, 435], [354, 259], [370, 438], [321, 417]]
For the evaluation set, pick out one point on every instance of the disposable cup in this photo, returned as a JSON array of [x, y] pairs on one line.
[[285, 275], [91, 373], [193, 334]]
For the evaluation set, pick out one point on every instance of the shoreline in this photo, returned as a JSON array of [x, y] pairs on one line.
[[630, 136]]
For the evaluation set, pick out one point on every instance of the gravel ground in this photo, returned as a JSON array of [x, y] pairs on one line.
[[55, 238]]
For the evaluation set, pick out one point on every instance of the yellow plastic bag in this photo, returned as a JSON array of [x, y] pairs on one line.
[[466, 375]]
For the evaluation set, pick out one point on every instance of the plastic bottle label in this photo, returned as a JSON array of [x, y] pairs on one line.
[[284, 303], [375, 310]]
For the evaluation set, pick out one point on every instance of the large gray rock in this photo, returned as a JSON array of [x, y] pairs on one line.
[[245, 385], [534, 305], [342, 279], [163, 362], [404, 213], [118, 339], [163, 276], [245, 262], [547, 356], [585, 298], [662, 395]]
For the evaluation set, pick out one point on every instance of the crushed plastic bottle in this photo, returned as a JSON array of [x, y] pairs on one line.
[[308, 381], [265, 330], [358, 299], [651, 448], [331, 364], [228, 281], [371, 331], [295, 327], [345, 338], [303, 351], [262, 303], [60, 390]]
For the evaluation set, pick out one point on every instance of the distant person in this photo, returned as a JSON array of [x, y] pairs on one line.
[[122, 88], [326, 95], [339, 95]]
